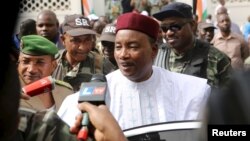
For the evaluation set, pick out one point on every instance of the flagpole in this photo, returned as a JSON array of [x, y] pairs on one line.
[[194, 6]]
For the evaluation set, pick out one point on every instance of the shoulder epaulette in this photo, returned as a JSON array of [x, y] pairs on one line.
[[65, 84]]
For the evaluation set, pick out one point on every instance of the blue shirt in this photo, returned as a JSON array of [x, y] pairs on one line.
[[246, 30]]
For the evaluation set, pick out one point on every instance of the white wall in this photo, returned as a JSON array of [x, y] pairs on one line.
[[239, 9], [70, 7], [99, 7]]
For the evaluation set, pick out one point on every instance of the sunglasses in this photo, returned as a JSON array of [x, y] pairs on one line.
[[173, 27]]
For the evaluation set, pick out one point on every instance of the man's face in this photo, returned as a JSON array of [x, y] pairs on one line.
[[47, 26], [77, 47], [108, 50], [178, 32], [222, 2], [33, 68], [224, 23], [134, 54], [206, 34]]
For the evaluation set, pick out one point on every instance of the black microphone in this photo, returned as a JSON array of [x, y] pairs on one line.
[[94, 93]]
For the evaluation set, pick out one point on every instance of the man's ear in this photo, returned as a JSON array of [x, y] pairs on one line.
[[154, 50], [194, 24]]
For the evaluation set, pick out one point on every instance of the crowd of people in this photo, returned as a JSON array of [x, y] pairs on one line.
[[159, 67]]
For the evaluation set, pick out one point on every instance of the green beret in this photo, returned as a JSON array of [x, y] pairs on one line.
[[37, 45]]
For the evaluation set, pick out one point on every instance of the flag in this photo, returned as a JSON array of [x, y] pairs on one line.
[[201, 10], [87, 7]]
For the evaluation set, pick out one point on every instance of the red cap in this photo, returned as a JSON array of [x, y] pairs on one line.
[[83, 134], [138, 22]]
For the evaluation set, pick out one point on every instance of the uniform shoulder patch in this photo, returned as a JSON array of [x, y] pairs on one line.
[[65, 84]]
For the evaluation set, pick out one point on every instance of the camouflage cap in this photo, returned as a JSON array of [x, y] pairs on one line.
[[37, 45]]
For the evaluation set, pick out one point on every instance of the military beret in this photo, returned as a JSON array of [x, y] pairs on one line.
[[37, 45]]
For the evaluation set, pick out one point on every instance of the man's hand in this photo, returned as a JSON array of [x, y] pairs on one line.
[[106, 127]]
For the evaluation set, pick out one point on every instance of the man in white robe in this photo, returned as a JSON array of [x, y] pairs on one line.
[[139, 93]]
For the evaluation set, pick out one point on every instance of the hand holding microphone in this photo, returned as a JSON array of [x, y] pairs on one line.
[[106, 127], [94, 93]]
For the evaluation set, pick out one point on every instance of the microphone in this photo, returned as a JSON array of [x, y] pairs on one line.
[[40, 86], [94, 93]]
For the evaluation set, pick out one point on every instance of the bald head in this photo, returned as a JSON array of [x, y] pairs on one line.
[[47, 25], [48, 13], [222, 2], [222, 10]]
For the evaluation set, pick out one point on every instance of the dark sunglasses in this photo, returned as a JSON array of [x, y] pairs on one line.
[[173, 27]]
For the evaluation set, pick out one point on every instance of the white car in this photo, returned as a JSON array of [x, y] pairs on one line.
[[168, 131]]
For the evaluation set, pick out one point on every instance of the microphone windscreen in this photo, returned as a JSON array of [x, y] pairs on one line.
[[98, 78], [40, 86]]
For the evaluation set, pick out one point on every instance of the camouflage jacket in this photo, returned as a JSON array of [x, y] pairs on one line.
[[203, 61], [42, 126], [81, 72]]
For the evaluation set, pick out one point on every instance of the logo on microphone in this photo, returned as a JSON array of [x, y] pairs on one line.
[[99, 90], [87, 91], [93, 91]]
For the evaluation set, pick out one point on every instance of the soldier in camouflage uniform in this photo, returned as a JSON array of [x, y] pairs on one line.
[[77, 63], [186, 54], [36, 61]]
